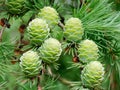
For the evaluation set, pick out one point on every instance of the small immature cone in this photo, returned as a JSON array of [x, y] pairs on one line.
[[50, 50], [73, 30], [15, 7], [38, 31], [93, 74], [50, 15], [30, 64], [88, 51]]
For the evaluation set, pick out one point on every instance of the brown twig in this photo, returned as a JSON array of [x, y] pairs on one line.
[[1, 32], [21, 43], [112, 76], [4, 23], [61, 25], [38, 84], [21, 30], [81, 2]]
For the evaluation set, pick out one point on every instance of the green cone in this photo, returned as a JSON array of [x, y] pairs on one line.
[[50, 15], [73, 30], [88, 51], [38, 31], [92, 74], [50, 50], [30, 64], [15, 7]]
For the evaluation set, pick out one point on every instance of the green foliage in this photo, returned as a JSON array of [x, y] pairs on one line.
[[116, 4], [6, 51]]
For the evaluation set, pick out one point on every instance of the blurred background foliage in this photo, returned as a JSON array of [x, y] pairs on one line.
[[101, 21]]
